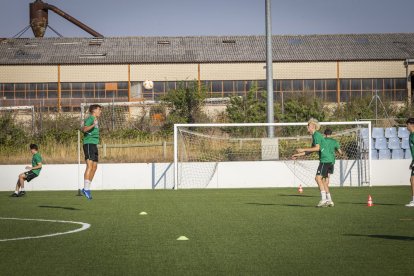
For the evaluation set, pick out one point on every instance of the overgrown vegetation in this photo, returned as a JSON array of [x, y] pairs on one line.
[[56, 133]]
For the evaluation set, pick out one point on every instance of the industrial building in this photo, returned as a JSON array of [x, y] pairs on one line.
[[61, 73]]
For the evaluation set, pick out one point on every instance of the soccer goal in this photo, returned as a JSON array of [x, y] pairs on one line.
[[23, 115], [212, 155]]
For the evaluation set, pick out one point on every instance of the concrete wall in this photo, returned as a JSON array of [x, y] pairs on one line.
[[216, 71], [160, 176]]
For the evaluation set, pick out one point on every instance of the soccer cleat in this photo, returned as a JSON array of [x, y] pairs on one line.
[[14, 195], [22, 193], [87, 193], [411, 204], [330, 203], [322, 203]]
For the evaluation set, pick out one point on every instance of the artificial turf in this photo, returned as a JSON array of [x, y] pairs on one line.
[[230, 232]]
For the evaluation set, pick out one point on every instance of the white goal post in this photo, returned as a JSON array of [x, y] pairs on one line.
[[199, 149], [24, 114]]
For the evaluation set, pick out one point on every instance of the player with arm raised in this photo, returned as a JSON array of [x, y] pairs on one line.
[[318, 145], [90, 147]]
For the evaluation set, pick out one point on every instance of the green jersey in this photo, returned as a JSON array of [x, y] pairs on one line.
[[317, 139], [36, 159], [411, 140], [331, 145], [92, 136]]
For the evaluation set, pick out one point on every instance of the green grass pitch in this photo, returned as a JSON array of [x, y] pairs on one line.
[[230, 232]]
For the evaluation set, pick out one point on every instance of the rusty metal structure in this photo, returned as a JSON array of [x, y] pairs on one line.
[[39, 19]]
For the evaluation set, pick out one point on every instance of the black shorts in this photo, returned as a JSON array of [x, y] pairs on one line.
[[325, 169], [30, 175], [91, 152]]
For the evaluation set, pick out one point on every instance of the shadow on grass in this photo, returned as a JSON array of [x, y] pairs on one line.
[[299, 195], [59, 207], [274, 204], [365, 203], [386, 237]]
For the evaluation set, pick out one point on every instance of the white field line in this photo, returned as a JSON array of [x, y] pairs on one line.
[[84, 227]]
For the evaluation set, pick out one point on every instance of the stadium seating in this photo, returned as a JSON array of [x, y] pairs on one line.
[[377, 132], [394, 143], [397, 154], [374, 154], [364, 133], [403, 132], [365, 144], [390, 132], [407, 154], [381, 143], [405, 144], [384, 154]]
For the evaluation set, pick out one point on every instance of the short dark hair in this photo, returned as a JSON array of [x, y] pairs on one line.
[[34, 146], [327, 131], [93, 107], [410, 121]]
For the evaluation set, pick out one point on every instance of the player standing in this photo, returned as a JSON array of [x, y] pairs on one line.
[[33, 172], [318, 145], [332, 146], [410, 127], [90, 147]]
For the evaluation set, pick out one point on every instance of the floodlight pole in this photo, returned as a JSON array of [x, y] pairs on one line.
[[269, 69]]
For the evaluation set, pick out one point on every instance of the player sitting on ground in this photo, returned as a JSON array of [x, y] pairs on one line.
[[318, 145], [33, 172]]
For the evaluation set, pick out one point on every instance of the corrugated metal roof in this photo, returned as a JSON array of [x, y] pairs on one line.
[[205, 49]]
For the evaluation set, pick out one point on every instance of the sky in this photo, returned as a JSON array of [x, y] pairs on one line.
[[214, 17]]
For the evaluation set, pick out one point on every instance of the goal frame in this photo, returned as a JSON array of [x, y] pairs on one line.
[[21, 107], [176, 126]]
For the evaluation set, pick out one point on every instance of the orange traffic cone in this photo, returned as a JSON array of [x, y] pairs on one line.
[[370, 204], [300, 190]]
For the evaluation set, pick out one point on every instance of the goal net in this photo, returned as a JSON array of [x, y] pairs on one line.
[[217, 155], [123, 127], [23, 116]]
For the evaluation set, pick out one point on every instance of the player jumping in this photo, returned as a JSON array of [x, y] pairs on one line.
[[90, 147]]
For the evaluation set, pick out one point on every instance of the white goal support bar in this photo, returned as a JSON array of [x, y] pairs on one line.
[[366, 124]]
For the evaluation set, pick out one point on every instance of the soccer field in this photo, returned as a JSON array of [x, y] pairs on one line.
[[230, 232]]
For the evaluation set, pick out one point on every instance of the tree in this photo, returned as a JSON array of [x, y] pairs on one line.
[[185, 104]]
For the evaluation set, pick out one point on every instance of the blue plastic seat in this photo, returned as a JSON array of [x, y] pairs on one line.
[[374, 154], [372, 143], [377, 132], [405, 144], [364, 133], [407, 154], [403, 132], [381, 143], [384, 154], [365, 143], [397, 154], [390, 132], [394, 143]]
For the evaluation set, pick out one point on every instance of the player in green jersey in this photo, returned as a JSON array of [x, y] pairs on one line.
[[90, 147], [410, 127], [332, 146], [33, 171], [318, 145]]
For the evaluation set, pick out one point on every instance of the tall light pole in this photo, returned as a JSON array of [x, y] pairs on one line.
[[269, 70]]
